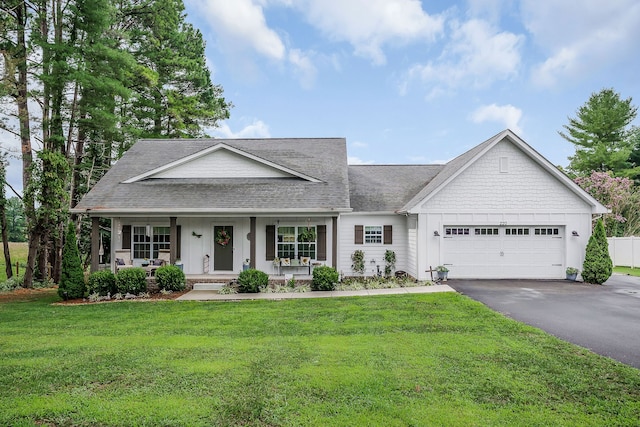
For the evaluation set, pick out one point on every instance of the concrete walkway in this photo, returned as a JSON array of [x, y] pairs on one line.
[[215, 296]]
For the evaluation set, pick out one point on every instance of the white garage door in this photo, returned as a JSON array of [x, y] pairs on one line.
[[504, 252]]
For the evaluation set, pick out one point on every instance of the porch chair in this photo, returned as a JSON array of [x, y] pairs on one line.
[[164, 258], [123, 259]]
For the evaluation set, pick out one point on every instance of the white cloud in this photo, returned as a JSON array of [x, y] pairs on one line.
[[368, 25], [256, 129], [358, 161], [241, 24], [304, 69], [508, 115], [477, 55], [581, 35]]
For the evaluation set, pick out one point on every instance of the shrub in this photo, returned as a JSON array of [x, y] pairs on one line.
[[102, 282], [131, 280], [357, 258], [11, 284], [324, 278], [170, 278], [71, 276], [597, 267], [389, 261], [251, 280]]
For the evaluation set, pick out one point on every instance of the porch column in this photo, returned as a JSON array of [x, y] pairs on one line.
[[95, 243], [252, 242], [334, 242], [173, 239]]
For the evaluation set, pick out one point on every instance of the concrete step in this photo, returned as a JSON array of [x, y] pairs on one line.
[[208, 286]]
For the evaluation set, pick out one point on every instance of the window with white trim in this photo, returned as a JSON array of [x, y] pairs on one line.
[[451, 231], [486, 231], [516, 231], [147, 241], [547, 231], [295, 242], [373, 234]]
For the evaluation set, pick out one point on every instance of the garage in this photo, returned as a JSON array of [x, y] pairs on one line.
[[504, 251]]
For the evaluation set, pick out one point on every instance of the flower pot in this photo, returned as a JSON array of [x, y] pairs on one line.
[[442, 275], [572, 276]]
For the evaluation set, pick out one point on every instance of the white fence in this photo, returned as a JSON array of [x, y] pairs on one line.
[[625, 251]]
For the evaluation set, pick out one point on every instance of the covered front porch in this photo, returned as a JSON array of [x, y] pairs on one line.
[[217, 248]]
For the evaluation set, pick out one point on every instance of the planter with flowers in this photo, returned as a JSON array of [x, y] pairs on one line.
[[572, 273]]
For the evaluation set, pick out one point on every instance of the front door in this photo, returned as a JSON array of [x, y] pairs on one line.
[[223, 248]]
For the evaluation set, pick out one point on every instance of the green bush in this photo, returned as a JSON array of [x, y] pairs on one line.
[[251, 280], [131, 280], [11, 284], [170, 278], [72, 275], [597, 267], [325, 278], [102, 282]]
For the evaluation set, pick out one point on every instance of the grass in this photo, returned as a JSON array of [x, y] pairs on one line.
[[401, 360], [627, 270], [19, 252]]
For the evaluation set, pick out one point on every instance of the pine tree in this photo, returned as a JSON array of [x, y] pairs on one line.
[[72, 277], [601, 135], [597, 267]]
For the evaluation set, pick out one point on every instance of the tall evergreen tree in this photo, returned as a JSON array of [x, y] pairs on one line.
[[103, 74], [600, 133], [72, 278], [597, 266]]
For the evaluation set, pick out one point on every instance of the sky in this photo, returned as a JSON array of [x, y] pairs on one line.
[[414, 82], [420, 82]]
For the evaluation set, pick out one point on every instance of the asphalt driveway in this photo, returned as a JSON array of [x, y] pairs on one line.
[[604, 319]]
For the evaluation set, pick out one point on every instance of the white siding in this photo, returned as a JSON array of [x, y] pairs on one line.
[[222, 164], [526, 187], [525, 195], [372, 252], [412, 246]]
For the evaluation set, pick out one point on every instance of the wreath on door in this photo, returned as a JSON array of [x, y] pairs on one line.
[[223, 238]]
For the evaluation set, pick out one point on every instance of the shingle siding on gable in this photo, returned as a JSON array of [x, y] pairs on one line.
[[526, 187], [222, 164]]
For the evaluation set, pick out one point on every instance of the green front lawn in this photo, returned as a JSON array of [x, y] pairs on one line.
[[627, 270], [431, 359]]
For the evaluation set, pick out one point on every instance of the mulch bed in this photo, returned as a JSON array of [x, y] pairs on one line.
[[22, 294]]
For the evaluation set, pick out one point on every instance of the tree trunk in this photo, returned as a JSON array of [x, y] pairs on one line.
[[25, 139], [3, 221]]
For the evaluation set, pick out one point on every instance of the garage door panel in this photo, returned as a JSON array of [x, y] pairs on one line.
[[505, 252]]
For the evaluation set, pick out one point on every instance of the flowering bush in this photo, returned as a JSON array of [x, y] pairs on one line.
[[615, 193]]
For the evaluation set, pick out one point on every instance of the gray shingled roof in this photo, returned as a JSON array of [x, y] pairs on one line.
[[387, 188], [323, 158]]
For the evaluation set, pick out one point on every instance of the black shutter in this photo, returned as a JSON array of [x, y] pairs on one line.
[[322, 242], [388, 235], [126, 237], [270, 250], [359, 235]]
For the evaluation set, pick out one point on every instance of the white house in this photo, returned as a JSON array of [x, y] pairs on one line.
[[500, 210]]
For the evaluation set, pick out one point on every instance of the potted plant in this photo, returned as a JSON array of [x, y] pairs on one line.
[[572, 273], [307, 234], [442, 272], [246, 264]]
